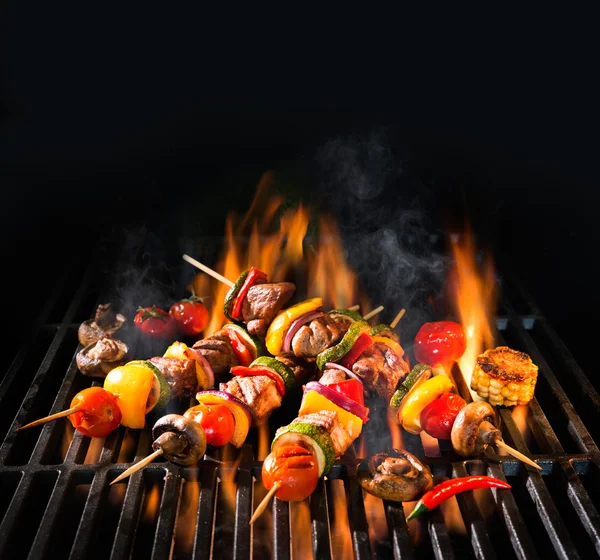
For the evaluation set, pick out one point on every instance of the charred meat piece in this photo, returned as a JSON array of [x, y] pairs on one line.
[[332, 375], [302, 369], [328, 420], [217, 349], [105, 323], [318, 335], [180, 375], [100, 357], [382, 369], [259, 392], [262, 303]]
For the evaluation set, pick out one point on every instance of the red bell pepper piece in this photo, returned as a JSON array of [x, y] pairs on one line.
[[239, 348], [441, 492], [362, 343], [351, 388], [254, 274], [246, 371]]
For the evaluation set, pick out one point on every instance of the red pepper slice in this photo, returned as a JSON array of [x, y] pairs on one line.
[[239, 348], [246, 371], [254, 274], [351, 388], [362, 343], [441, 492]]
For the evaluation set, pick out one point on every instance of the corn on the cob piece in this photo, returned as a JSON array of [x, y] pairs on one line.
[[504, 377]]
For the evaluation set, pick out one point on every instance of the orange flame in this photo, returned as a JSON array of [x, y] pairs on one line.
[[273, 240], [475, 299], [300, 523], [186, 518], [341, 541], [152, 503]]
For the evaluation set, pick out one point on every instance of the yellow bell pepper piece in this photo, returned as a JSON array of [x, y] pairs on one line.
[[131, 384], [315, 402], [392, 344], [179, 350], [409, 413], [284, 319]]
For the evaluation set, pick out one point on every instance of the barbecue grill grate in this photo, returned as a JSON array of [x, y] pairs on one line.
[[55, 498]]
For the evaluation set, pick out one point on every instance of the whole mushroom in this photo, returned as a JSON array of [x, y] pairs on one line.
[[397, 476], [474, 429], [181, 440], [105, 323], [100, 357]]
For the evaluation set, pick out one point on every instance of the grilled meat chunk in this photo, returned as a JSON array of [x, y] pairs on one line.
[[328, 420], [318, 335], [217, 349], [303, 370], [263, 302], [180, 375], [379, 367], [259, 392], [332, 375]]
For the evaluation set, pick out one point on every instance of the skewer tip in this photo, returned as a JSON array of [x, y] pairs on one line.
[[265, 502]]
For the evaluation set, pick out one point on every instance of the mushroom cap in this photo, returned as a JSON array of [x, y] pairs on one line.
[[396, 475], [101, 356], [183, 441], [465, 430]]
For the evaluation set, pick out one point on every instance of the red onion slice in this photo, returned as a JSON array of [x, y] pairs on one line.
[[348, 372], [295, 326], [196, 355], [338, 399]]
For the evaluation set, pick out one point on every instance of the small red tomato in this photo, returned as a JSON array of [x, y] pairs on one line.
[[295, 468], [98, 414], [155, 322], [191, 315], [440, 343], [437, 418], [217, 421]]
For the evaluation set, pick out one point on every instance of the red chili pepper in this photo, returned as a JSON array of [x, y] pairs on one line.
[[362, 343], [261, 370], [441, 492], [254, 274]]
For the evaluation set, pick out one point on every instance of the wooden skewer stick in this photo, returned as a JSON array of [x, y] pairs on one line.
[[373, 313], [354, 307], [263, 505], [500, 443], [397, 318], [139, 465], [210, 271], [51, 417]]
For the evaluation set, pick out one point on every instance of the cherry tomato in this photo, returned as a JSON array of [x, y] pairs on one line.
[[99, 413], [296, 468], [440, 343], [155, 322], [351, 388], [217, 421], [191, 315], [438, 416]]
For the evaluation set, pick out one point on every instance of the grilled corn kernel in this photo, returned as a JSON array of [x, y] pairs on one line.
[[504, 377]]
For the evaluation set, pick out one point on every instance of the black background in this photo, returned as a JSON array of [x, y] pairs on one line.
[[162, 116]]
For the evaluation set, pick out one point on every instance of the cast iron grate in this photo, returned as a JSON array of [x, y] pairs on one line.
[[56, 502]]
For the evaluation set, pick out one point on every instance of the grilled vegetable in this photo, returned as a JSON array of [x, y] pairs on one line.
[[338, 351], [246, 346], [139, 387], [99, 357], [216, 420], [155, 322], [504, 377], [284, 372], [441, 492], [190, 314], [232, 308], [438, 417], [397, 475], [181, 440], [283, 321], [474, 429], [98, 413], [105, 323], [294, 468], [440, 343], [418, 374]]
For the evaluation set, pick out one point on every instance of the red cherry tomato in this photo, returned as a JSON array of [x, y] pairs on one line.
[[99, 413], [440, 343], [191, 316], [217, 421], [155, 322], [351, 388], [437, 418], [297, 470]]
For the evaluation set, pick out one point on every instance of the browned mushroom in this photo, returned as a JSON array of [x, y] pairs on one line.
[[397, 475], [181, 440], [474, 429], [100, 357], [105, 324]]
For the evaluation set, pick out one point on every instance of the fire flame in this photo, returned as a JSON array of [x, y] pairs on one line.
[[475, 299], [273, 240]]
